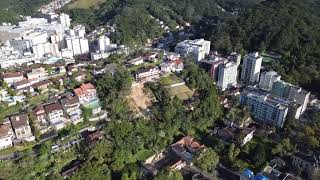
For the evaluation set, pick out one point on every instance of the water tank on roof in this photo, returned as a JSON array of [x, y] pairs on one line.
[[260, 177], [248, 173]]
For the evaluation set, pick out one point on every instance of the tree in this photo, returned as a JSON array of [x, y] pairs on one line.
[[33, 125], [207, 160], [86, 113], [258, 155], [169, 175], [283, 148], [233, 152]]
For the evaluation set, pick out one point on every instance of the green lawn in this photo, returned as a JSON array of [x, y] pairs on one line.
[[183, 92], [38, 99], [170, 79], [9, 110], [85, 4]]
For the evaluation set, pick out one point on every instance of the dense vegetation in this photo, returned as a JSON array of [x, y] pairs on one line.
[[133, 138], [285, 26], [11, 9]]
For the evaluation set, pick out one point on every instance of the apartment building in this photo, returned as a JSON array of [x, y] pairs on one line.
[[264, 107]]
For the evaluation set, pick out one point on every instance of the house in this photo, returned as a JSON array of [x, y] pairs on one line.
[[109, 68], [307, 162], [55, 114], [10, 78], [38, 73], [80, 76], [175, 157], [86, 93], [71, 107], [19, 85], [231, 134], [72, 68], [42, 85], [72, 167], [175, 65], [94, 136], [41, 122], [164, 159], [151, 57], [186, 148], [21, 127], [6, 134], [136, 61], [148, 74], [59, 68]]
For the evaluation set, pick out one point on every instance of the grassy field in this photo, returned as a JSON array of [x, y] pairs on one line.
[[7, 111], [183, 92], [170, 79], [85, 4]]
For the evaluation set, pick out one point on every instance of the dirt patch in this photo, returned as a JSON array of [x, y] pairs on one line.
[[139, 99]]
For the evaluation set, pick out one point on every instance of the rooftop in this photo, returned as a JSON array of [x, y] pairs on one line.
[[83, 88], [53, 107], [19, 120], [11, 75], [4, 130]]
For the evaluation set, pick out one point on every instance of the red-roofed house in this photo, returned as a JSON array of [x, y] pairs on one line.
[[186, 147], [172, 66], [86, 93]]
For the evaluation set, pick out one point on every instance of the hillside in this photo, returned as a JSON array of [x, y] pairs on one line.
[[11, 9], [289, 27]]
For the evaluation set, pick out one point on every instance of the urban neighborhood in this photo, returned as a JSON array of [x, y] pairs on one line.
[[78, 103]]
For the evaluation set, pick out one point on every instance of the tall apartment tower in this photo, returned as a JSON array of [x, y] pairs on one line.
[[103, 42], [267, 79], [251, 68], [265, 108], [227, 75]]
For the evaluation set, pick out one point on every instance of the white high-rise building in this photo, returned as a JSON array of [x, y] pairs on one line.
[[36, 37], [198, 48], [267, 79], [251, 68], [227, 76], [58, 38], [65, 20], [77, 45], [84, 45], [80, 30], [103, 42]]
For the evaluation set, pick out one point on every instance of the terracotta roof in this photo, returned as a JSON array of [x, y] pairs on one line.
[[4, 130], [53, 107], [83, 87], [19, 120], [38, 110], [11, 75], [178, 61]]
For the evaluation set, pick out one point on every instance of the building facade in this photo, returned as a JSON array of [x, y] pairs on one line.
[[267, 79], [198, 48], [265, 108], [251, 68], [227, 75]]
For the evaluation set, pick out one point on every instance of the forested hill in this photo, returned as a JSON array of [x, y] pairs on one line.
[[135, 24], [290, 27], [286, 26], [10, 10]]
